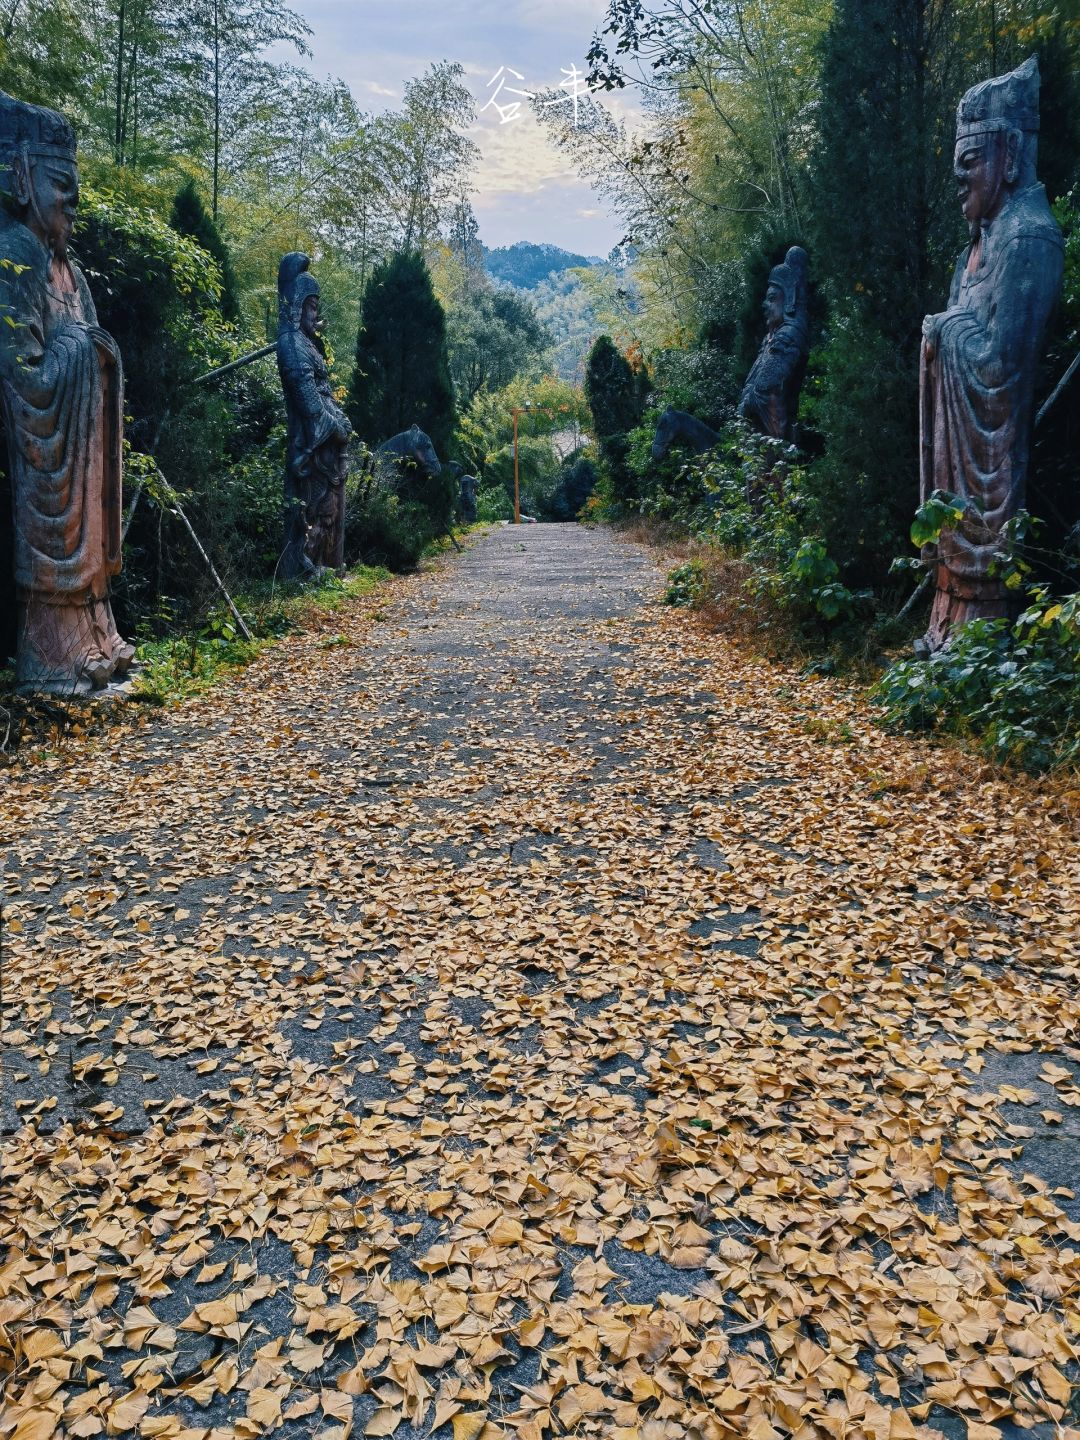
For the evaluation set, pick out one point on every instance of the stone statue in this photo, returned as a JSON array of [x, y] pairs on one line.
[[979, 357], [397, 456], [678, 427], [318, 431], [467, 488], [61, 384], [770, 397]]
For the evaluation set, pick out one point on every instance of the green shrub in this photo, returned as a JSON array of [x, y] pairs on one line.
[[494, 504], [380, 529], [1014, 688], [685, 585]]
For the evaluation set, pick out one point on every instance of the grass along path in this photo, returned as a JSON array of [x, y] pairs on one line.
[[533, 1017]]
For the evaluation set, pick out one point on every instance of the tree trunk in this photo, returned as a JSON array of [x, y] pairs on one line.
[[118, 129], [217, 104]]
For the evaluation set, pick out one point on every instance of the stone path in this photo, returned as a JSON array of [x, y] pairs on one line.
[[526, 958]]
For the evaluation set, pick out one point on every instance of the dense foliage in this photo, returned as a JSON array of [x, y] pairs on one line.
[[616, 395], [1014, 688]]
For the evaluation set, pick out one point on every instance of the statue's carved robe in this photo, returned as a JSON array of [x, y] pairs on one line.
[[977, 395], [316, 456], [61, 384], [770, 397]]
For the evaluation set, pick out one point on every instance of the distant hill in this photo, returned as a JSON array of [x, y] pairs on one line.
[[526, 265]]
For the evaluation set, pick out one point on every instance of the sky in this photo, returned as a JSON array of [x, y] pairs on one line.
[[525, 189]]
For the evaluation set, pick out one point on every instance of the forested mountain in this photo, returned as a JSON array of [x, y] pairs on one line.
[[526, 265]]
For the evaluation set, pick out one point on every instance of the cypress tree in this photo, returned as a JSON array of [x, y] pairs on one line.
[[616, 396], [191, 217], [402, 374], [886, 229]]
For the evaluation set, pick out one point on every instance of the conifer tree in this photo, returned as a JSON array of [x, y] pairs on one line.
[[191, 217], [402, 374], [885, 231], [616, 396]]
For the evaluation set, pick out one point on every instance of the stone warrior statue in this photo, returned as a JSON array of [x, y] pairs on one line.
[[979, 357], [318, 431], [61, 385], [770, 397], [468, 486]]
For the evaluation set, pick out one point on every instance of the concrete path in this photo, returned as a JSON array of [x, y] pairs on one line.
[[521, 1010]]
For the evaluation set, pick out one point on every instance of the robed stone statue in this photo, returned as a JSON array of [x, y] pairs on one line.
[[318, 431], [770, 397], [979, 357], [61, 388]]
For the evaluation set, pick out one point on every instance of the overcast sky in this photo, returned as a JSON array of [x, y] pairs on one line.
[[525, 189]]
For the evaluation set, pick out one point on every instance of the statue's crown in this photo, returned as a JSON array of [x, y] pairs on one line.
[[33, 129], [1005, 102]]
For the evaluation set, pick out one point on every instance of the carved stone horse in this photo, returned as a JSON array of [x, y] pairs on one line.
[[411, 447], [677, 427]]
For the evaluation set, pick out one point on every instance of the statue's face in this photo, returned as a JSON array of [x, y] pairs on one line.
[[981, 167], [310, 320], [773, 307], [50, 193]]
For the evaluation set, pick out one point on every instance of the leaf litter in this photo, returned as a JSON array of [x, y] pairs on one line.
[[519, 1022]]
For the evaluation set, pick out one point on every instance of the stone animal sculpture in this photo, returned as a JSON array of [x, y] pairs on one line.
[[980, 355], [411, 447], [677, 427], [61, 390], [318, 431], [770, 397]]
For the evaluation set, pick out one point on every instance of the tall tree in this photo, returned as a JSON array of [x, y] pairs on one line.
[[42, 45], [402, 375], [190, 217], [226, 39], [885, 229], [616, 395], [494, 335], [426, 154]]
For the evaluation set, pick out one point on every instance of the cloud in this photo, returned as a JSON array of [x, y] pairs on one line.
[[516, 158], [377, 89]]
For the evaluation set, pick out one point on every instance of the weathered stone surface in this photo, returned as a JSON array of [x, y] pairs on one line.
[[412, 447], [678, 427], [979, 356], [318, 431], [61, 385], [770, 397], [467, 487]]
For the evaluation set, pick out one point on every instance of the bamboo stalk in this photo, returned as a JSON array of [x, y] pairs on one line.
[[234, 364], [1058, 388]]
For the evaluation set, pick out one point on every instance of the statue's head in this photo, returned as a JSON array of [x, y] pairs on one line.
[[306, 306], [423, 451], [298, 296], [785, 295], [997, 136], [41, 173]]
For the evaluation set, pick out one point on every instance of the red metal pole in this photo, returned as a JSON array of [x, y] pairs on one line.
[[517, 481]]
